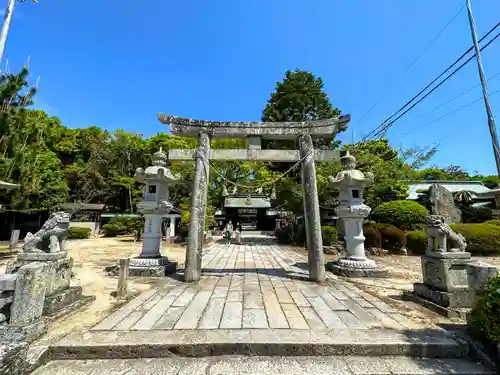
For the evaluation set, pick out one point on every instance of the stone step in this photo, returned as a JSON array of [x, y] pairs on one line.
[[268, 342], [227, 365]]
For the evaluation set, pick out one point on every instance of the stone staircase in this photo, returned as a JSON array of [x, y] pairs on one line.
[[265, 366], [270, 351]]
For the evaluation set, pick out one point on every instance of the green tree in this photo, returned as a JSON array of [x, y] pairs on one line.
[[299, 97]]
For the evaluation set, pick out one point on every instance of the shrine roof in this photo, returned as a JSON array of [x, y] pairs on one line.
[[181, 126], [247, 202]]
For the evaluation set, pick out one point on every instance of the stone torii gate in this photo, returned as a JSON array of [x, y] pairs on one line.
[[303, 132]]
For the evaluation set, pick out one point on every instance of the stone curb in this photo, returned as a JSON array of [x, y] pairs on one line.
[[273, 342]]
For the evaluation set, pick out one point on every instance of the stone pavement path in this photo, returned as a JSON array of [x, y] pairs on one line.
[[236, 365], [255, 286]]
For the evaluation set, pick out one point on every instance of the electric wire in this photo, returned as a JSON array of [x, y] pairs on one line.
[[450, 113], [395, 84], [388, 122]]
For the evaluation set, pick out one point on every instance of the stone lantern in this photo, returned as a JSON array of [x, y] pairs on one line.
[[155, 205], [351, 210]]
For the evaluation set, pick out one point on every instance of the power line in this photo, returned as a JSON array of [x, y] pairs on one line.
[[454, 98], [451, 112], [443, 81], [388, 122], [436, 37]]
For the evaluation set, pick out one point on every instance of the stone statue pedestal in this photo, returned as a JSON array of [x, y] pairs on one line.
[[60, 297], [446, 283]]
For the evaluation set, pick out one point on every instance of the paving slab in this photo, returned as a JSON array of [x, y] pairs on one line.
[[256, 300], [279, 286], [238, 365]]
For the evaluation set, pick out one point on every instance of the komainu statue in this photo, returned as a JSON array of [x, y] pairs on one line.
[[439, 233], [51, 237]]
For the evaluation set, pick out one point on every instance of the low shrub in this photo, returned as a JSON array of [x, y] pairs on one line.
[[492, 222], [284, 235], [299, 237], [404, 214], [393, 238], [481, 238], [329, 234], [78, 233], [485, 320], [416, 242], [122, 225], [476, 214], [373, 238]]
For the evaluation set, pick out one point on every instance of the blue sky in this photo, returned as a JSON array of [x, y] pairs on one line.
[[115, 64]]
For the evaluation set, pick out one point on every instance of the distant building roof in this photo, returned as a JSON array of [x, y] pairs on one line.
[[489, 194], [83, 206], [476, 187]]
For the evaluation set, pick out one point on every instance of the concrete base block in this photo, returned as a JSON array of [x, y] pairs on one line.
[[65, 301], [153, 271], [339, 270], [449, 312], [28, 333], [454, 299]]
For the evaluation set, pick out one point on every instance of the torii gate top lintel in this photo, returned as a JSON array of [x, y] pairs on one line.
[[187, 127]]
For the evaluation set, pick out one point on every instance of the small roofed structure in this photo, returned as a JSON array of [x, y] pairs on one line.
[[476, 188], [85, 215]]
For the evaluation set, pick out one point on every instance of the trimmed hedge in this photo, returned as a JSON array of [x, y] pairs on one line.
[[492, 222], [291, 234], [373, 238], [485, 322], [416, 242], [329, 234], [404, 214], [123, 225], [393, 238], [284, 235], [78, 233], [481, 238]]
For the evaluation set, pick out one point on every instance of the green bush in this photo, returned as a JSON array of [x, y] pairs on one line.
[[492, 222], [476, 214], [329, 234], [284, 235], [416, 242], [404, 214], [485, 315], [300, 237], [78, 233], [393, 238], [122, 225], [481, 238], [373, 238]]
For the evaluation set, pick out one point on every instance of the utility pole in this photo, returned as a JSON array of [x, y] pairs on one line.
[[6, 24], [489, 112]]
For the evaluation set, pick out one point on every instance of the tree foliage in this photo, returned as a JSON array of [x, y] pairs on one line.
[[56, 164]]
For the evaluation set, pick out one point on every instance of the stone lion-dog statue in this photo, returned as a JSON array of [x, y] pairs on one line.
[[51, 237], [439, 233]]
